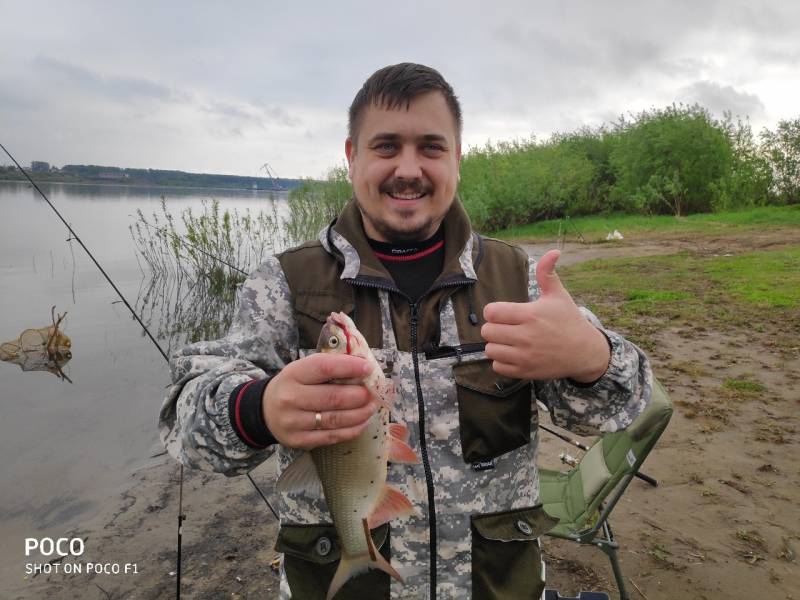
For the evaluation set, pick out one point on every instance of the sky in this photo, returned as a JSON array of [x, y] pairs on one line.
[[226, 87]]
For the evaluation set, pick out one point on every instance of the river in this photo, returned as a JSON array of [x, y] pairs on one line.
[[68, 447]]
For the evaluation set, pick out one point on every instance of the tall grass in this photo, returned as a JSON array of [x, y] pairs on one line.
[[314, 204], [212, 244]]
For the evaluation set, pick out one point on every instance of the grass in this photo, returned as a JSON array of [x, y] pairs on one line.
[[596, 227], [744, 385], [639, 296]]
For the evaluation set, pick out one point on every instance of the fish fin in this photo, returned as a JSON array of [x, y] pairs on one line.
[[391, 504], [401, 453], [398, 431], [299, 476], [350, 566], [385, 394]]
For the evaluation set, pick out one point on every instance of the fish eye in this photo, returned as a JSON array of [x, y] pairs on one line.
[[333, 341]]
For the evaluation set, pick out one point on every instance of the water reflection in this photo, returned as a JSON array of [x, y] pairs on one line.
[[181, 310], [44, 349]]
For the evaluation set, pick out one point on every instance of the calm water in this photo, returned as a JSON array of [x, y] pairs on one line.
[[67, 447]]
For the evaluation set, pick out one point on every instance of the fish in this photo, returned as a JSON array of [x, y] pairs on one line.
[[353, 474]]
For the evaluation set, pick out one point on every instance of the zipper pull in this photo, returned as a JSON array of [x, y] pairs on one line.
[[414, 313]]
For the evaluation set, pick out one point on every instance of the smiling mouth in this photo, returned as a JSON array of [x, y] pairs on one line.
[[407, 196]]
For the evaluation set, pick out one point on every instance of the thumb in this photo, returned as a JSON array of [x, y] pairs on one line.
[[546, 276]]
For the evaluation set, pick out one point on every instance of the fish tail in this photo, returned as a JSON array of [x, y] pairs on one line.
[[349, 566]]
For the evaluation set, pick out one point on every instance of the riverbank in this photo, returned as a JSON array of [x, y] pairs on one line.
[[22, 180], [720, 525]]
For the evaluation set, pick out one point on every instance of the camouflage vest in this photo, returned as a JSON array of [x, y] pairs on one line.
[[474, 530]]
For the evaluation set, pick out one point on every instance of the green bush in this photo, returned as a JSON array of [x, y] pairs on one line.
[[782, 149], [314, 204]]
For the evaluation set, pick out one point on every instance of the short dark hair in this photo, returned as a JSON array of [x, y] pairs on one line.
[[395, 86]]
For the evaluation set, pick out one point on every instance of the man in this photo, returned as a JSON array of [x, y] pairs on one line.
[[470, 329]]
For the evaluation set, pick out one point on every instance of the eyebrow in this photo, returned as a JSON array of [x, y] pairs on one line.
[[393, 137]]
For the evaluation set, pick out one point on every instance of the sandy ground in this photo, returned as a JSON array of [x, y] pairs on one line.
[[723, 522]]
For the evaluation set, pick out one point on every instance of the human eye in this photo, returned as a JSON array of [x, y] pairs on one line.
[[432, 148], [385, 147]]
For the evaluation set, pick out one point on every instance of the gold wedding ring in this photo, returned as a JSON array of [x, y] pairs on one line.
[[318, 421]]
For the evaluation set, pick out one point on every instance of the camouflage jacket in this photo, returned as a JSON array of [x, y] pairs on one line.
[[476, 495]]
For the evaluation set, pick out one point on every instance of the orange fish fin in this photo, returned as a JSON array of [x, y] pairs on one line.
[[391, 504], [398, 431], [402, 453], [300, 476]]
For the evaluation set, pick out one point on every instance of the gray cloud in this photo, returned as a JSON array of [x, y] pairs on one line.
[[171, 87], [118, 88], [720, 98]]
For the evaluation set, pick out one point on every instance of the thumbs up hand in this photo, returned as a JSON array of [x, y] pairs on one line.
[[545, 339]]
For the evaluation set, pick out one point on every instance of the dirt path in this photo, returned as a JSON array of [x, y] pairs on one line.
[[747, 241], [722, 524]]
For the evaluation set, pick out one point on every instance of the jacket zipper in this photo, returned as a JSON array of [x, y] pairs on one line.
[[435, 352], [423, 446], [414, 307]]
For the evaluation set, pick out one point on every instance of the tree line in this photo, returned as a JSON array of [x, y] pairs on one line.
[[147, 177], [675, 160]]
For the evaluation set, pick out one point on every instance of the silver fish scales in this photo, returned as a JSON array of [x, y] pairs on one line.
[[353, 473]]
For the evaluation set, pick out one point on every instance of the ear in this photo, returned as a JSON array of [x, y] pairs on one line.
[[349, 152], [458, 160]]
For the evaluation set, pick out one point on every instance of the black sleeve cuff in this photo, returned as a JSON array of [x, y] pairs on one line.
[[247, 415], [589, 384]]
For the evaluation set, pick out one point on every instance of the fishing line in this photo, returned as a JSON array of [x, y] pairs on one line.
[[190, 245], [76, 237], [585, 448], [94, 260]]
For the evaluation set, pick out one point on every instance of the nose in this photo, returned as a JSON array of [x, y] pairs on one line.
[[408, 165]]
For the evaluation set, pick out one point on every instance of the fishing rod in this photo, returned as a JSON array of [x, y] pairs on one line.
[[76, 237], [585, 448]]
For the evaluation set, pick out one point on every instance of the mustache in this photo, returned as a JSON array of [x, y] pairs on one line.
[[405, 186]]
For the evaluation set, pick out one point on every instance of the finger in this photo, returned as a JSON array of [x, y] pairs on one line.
[[511, 335], [502, 353], [546, 276], [307, 440], [320, 368], [332, 396], [507, 370], [509, 313], [336, 419]]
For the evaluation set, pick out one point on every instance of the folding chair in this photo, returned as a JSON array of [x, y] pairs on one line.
[[583, 498]]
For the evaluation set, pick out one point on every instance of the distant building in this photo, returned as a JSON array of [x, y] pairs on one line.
[[39, 166]]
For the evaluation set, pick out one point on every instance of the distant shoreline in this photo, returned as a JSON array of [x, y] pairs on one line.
[[148, 185]]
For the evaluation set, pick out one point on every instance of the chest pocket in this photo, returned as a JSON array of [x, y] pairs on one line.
[[494, 412], [311, 556], [312, 309]]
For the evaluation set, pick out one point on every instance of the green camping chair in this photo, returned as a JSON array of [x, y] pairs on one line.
[[582, 498]]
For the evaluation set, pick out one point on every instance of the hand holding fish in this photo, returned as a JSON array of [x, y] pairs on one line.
[[545, 339], [352, 474], [302, 390]]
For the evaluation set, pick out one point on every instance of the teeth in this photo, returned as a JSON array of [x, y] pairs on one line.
[[407, 196]]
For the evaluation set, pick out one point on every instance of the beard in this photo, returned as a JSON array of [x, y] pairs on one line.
[[405, 230], [400, 225]]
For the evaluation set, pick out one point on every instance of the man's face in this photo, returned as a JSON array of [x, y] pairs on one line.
[[404, 168]]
